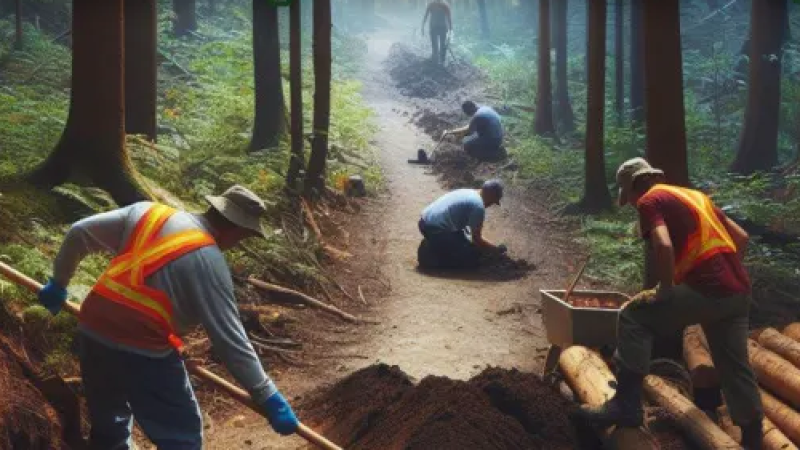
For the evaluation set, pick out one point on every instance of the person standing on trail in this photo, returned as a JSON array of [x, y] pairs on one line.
[[167, 276], [484, 134], [444, 222], [698, 254], [441, 25]]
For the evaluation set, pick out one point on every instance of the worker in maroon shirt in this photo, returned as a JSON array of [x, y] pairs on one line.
[[697, 253]]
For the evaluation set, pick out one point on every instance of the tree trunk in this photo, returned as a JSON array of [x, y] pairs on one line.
[[758, 145], [18, 23], [297, 161], [484, 18], [315, 175], [141, 74], [637, 62], [666, 130], [543, 123], [270, 109], [185, 21], [596, 196], [93, 142], [564, 114], [619, 59]]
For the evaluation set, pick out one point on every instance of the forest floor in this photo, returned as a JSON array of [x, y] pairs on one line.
[[450, 326]]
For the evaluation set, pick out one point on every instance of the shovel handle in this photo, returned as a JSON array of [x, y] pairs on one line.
[[234, 391]]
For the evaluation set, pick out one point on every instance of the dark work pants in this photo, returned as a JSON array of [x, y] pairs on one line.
[[438, 45], [725, 324], [483, 148], [452, 248]]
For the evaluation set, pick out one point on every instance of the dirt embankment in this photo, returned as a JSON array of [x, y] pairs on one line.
[[380, 407], [27, 420]]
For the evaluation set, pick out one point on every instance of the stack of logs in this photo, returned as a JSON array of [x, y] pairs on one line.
[[774, 355]]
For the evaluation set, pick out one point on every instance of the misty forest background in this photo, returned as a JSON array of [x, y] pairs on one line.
[[216, 92]]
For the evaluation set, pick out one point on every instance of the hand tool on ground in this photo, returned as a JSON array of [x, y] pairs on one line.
[[193, 367], [429, 158]]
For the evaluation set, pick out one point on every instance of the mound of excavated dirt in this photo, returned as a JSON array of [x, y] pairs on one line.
[[436, 123], [378, 407], [27, 421], [416, 76]]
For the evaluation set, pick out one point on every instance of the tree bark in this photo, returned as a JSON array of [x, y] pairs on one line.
[[92, 145], [484, 18], [596, 197], [141, 75], [619, 59], [758, 144], [564, 113], [315, 175], [666, 130], [543, 123], [637, 62], [185, 17], [297, 161], [18, 44], [270, 110]]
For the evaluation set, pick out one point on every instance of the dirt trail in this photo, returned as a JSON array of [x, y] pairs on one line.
[[429, 325]]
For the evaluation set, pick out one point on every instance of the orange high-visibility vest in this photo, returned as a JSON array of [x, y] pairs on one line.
[[709, 239], [145, 253]]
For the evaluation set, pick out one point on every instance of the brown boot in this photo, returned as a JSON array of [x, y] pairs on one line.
[[623, 410]]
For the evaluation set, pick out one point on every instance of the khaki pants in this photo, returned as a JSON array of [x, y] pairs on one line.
[[725, 323]]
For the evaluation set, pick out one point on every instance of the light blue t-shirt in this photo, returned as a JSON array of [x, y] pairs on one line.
[[455, 211], [486, 122]]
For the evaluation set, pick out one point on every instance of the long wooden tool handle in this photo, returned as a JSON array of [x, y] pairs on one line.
[[234, 391], [574, 283]]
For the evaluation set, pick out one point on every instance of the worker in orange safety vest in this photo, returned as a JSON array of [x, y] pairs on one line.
[[697, 256], [168, 275]]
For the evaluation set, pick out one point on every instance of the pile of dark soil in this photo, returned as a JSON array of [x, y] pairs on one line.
[[26, 419], [378, 407], [416, 76], [436, 123]]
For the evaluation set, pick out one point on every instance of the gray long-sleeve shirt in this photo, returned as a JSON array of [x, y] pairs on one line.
[[198, 284]]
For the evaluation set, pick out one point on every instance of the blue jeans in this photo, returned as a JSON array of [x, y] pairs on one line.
[[120, 385]]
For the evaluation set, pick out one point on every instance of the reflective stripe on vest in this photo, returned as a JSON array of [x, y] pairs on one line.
[[144, 254], [709, 239]]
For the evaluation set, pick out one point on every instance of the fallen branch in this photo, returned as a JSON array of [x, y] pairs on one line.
[[698, 358], [309, 215], [361, 295], [270, 348], [303, 298]]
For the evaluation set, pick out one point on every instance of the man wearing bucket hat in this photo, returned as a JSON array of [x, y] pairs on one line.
[[443, 224], [168, 275], [697, 256]]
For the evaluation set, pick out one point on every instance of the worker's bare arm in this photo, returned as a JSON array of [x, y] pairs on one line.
[[663, 257], [739, 236], [99, 233], [458, 131], [479, 240]]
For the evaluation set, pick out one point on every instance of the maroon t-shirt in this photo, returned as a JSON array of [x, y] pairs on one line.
[[721, 275]]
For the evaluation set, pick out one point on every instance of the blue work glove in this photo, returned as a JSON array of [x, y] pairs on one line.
[[52, 296], [280, 414], [502, 249]]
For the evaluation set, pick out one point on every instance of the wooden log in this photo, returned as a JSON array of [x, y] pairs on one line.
[[698, 358], [694, 422], [792, 330], [785, 418], [786, 347], [329, 249], [303, 298], [775, 373], [773, 437], [591, 380]]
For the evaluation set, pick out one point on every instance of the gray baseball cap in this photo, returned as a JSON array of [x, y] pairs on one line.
[[495, 186], [241, 206]]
